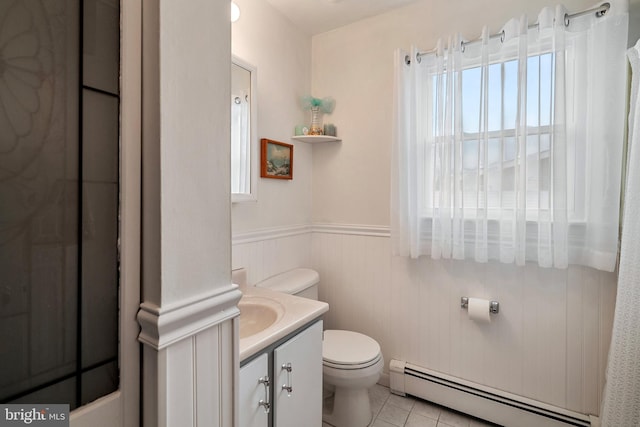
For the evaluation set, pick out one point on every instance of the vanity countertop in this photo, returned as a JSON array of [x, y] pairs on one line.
[[298, 312]]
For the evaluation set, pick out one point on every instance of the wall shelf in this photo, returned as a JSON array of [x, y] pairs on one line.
[[316, 138]]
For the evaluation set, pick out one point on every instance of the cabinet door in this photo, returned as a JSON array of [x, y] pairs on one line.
[[298, 380], [252, 391]]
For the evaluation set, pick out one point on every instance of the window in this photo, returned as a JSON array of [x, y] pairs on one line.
[[510, 148], [491, 168]]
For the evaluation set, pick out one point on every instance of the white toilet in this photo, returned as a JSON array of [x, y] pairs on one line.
[[352, 362]]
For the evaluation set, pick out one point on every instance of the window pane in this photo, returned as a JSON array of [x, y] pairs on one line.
[[532, 145], [510, 94], [545, 174], [495, 97], [509, 149], [470, 155], [494, 151], [533, 82], [545, 142], [546, 89], [471, 100], [439, 103]]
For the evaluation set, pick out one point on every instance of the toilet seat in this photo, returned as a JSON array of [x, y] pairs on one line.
[[347, 367], [349, 350]]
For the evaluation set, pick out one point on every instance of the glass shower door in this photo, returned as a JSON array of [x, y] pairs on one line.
[[59, 200]]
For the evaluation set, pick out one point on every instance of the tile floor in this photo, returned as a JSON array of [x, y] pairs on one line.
[[390, 410]]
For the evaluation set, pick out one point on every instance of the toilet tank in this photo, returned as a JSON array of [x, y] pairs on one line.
[[302, 282]]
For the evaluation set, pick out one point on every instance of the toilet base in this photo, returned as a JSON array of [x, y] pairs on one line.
[[351, 408]]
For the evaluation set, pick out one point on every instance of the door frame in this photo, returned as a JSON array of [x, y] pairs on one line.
[[122, 407]]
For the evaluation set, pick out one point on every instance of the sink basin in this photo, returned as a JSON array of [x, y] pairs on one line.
[[257, 314]]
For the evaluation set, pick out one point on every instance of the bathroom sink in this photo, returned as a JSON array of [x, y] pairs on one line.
[[257, 314], [267, 316]]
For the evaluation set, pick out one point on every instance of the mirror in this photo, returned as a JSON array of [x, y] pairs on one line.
[[244, 152]]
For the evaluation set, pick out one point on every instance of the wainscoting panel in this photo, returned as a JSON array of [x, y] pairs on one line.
[[190, 360], [201, 366], [549, 342], [264, 253]]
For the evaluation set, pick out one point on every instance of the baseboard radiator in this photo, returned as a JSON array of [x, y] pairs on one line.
[[489, 404]]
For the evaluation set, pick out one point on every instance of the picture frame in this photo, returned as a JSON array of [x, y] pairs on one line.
[[276, 159]]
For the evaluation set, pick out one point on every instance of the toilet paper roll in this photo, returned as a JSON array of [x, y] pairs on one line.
[[479, 310]]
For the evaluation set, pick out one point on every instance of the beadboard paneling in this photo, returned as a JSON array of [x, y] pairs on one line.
[[190, 360], [192, 379], [549, 342], [265, 253]]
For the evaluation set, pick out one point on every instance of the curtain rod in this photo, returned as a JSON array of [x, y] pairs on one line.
[[599, 12]]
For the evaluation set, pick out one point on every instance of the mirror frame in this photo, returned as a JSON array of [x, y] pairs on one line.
[[252, 196]]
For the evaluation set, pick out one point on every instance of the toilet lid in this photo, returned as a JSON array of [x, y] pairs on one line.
[[348, 348]]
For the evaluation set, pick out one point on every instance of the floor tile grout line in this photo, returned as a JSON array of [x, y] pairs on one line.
[[384, 399]]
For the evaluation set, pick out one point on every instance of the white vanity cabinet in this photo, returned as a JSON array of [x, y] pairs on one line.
[[254, 393], [298, 385], [294, 368]]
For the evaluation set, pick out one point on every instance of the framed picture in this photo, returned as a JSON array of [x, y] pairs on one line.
[[276, 159]]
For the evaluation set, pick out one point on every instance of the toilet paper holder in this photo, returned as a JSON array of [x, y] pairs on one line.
[[494, 306]]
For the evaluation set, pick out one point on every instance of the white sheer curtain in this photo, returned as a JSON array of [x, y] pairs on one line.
[[621, 400], [240, 145], [510, 147]]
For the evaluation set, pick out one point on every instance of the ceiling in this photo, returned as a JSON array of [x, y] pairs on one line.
[[319, 16]]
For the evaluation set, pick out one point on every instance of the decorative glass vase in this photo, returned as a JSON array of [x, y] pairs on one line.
[[316, 122]]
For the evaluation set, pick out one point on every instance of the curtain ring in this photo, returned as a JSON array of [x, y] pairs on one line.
[[462, 45], [419, 57], [237, 100], [566, 19], [600, 13], [502, 36], [407, 59]]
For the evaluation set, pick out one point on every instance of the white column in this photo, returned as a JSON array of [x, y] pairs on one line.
[[187, 317]]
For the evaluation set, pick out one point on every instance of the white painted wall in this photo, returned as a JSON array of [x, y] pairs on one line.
[[550, 341], [282, 54], [551, 338], [355, 65]]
